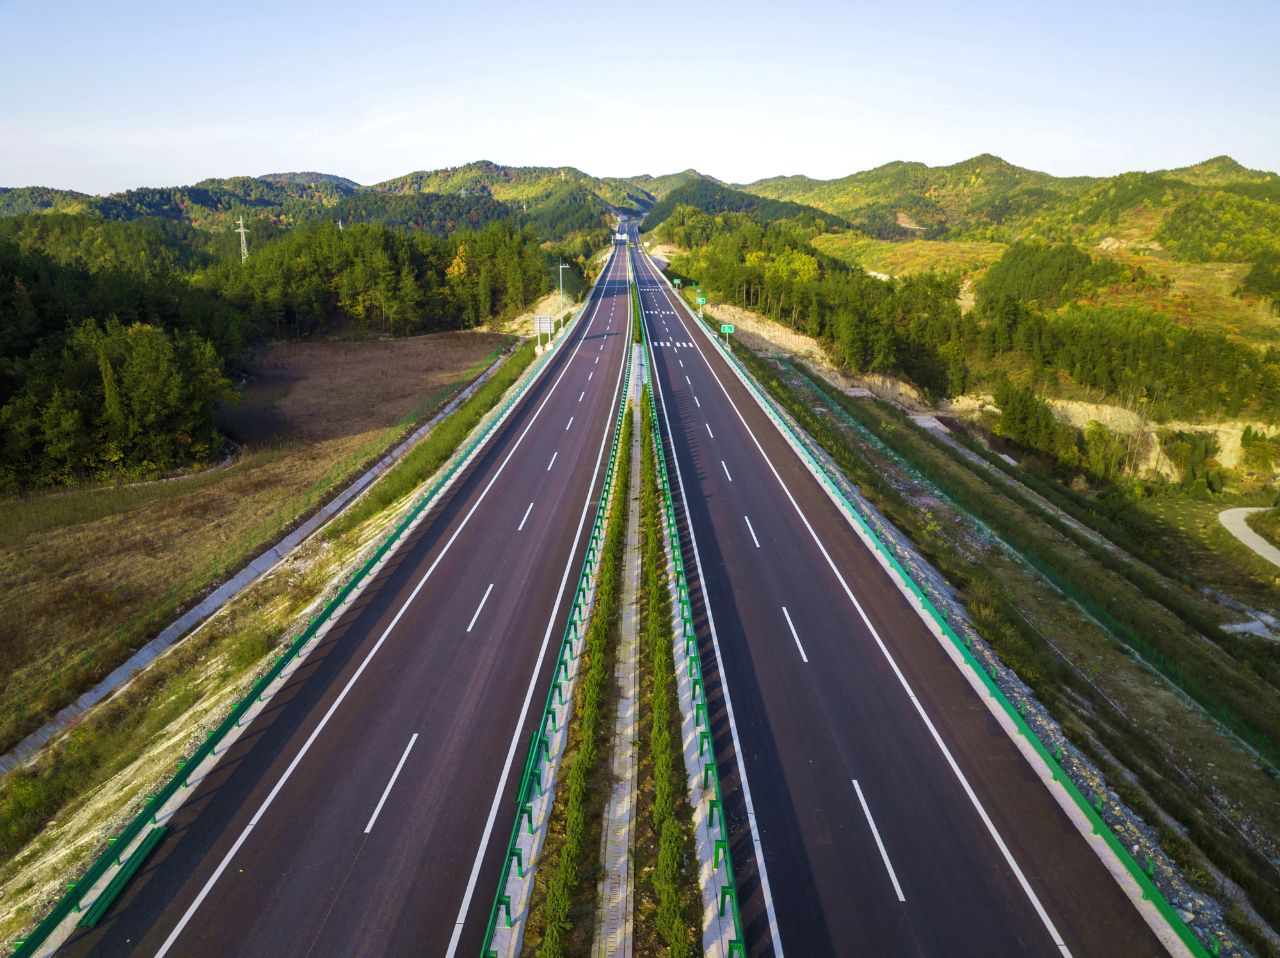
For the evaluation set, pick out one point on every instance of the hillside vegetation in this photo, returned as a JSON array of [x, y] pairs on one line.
[[709, 197], [115, 338]]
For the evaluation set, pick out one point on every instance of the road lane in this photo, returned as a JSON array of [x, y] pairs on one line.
[[284, 813], [862, 702]]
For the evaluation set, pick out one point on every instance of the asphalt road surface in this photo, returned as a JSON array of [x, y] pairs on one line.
[[366, 812], [878, 781]]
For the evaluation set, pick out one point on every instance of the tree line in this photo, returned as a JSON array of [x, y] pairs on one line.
[[913, 327], [114, 336]]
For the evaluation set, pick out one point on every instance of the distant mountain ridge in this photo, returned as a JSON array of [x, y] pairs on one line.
[[986, 197], [1214, 210]]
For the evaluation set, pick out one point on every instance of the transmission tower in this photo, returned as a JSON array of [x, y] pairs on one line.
[[244, 245]]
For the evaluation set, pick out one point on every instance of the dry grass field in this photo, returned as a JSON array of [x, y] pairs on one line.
[[89, 577], [899, 259]]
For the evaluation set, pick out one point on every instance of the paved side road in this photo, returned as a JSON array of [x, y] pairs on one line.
[[893, 814], [1233, 519]]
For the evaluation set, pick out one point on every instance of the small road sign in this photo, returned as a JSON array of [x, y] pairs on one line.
[[677, 281], [543, 324], [701, 300], [726, 328]]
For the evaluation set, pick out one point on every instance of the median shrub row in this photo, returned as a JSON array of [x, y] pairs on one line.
[[553, 917], [669, 814]]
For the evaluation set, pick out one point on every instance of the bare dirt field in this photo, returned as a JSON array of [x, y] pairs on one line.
[[90, 577], [311, 392]]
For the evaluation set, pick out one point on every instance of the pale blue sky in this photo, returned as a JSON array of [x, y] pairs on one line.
[[106, 96]]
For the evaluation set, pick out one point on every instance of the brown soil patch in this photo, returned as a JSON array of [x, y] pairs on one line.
[[313, 392]]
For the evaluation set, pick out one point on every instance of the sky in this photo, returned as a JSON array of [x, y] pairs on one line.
[[103, 97]]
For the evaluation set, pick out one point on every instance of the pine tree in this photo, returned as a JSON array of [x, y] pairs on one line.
[[114, 408]]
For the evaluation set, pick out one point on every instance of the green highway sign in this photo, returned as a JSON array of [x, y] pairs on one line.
[[677, 282], [726, 329], [701, 300]]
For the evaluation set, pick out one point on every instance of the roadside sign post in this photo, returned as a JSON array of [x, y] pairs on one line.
[[543, 324]]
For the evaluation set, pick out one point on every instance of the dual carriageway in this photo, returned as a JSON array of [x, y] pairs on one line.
[[874, 803]]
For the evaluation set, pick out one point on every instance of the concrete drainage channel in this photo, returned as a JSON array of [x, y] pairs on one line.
[[87, 900]]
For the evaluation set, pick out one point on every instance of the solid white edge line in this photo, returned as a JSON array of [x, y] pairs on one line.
[[879, 844], [792, 627], [533, 681], [520, 528], [472, 623], [973, 798], [761, 871], [394, 775], [191, 909], [753, 533]]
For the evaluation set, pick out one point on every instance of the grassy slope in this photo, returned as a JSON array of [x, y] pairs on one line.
[[898, 259]]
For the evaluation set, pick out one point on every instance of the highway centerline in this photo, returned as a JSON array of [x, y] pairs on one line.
[[788, 615], [749, 529], [394, 775], [879, 844], [520, 528], [480, 606]]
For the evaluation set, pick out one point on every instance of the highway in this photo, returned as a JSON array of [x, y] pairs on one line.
[[367, 810], [884, 811]]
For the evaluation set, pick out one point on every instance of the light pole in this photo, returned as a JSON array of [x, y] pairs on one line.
[[563, 267]]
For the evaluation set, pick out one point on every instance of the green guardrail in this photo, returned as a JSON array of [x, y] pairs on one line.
[[538, 754], [1150, 891], [727, 893], [70, 902]]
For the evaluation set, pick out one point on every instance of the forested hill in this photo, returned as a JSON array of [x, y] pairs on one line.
[[556, 202], [712, 197], [1217, 210], [524, 187], [311, 178]]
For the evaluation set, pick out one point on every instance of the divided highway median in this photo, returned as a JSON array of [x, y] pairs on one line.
[[543, 902]]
